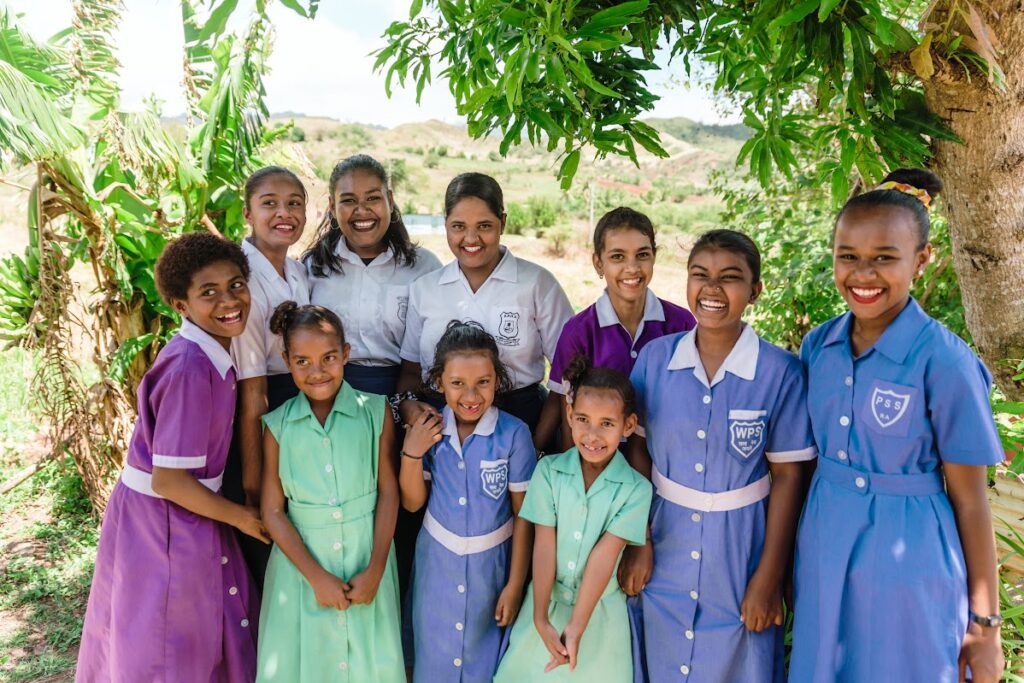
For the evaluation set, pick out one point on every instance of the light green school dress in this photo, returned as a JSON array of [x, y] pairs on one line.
[[618, 502], [329, 476]]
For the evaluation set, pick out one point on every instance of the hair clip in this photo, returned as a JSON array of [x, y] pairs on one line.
[[916, 192]]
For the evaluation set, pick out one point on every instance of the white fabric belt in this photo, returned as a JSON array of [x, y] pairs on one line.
[[710, 502], [140, 481], [466, 545]]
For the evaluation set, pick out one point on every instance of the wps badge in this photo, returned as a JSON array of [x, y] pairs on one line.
[[746, 431], [888, 407], [494, 475]]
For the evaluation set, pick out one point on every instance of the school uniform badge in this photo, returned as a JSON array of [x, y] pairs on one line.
[[494, 475], [887, 408], [746, 431], [508, 328]]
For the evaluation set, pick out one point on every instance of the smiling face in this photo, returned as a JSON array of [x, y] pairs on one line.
[[468, 383], [316, 358], [719, 286], [474, 235], [217, 301], [598, 424], [627, 264], [875, 258], [276, 210], [362, 206]]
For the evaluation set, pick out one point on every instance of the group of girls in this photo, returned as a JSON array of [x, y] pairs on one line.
[[396, 443]]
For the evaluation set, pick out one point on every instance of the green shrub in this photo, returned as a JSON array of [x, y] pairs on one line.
[[544, 211], [517, 218], [557, 237], [296, 134]]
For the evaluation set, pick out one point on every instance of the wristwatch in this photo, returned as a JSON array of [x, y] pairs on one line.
[[992, 621]]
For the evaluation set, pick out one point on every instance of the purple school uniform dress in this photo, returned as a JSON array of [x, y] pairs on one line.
[[464, 548], [881, 585], [595, 332], [171, 599], [710, 444]]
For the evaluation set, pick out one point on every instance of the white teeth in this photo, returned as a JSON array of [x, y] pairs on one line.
[[713, 305], [363, 225], [284, 227], [472, 250], [632, 282], [234, 317], [866, 293]]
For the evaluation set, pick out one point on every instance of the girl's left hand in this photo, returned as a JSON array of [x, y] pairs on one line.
[[571, 637], [982, 651], [363, 587], [509, 602], [762, 604]]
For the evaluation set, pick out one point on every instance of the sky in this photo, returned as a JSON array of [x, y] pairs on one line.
[[319, 68]]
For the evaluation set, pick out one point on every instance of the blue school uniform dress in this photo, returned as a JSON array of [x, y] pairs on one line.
[[881, 587], [710, 444], [464, 548]]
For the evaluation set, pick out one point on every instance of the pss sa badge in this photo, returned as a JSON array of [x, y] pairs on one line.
[[494, 476]]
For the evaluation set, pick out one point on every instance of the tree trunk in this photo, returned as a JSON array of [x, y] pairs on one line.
[[984, 194]]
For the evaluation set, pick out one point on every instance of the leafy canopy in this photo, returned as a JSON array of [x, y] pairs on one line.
[[808, 75]]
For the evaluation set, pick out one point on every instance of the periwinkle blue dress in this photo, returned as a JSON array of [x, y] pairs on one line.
[[713, 437], [881, 586], [455, 586]]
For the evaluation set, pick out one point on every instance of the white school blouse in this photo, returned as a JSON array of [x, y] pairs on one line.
[[521, 304], [256, 352], [371, 300]]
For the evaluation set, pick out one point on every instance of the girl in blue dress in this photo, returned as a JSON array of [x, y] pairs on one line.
[[726, 423], [896, 562], [473, 551]]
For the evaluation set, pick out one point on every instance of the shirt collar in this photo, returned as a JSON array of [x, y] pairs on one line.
[[606, 316], [897, 338], [507, 269], [484, 426], [741, 361], [345, 403], [342, 251], [217, 354], [618, 470], [264, 269]]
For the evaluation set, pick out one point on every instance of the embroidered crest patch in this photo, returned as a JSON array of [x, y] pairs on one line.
[[746, 436], [508, 328], [888, 407], [403, 307], [494, 475]]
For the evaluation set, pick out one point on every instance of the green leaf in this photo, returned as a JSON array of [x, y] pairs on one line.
[[615, 16], [797, 13], [414, 8], [123, 357], [826, 9], [567, 171]]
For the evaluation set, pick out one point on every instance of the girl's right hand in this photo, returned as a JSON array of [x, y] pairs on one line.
[[553, 642], [330, 591], [422, 434], [411, 411], [635, 568], [250, 523]]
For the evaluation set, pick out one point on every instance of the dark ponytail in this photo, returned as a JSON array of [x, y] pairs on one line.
[[917, 178], [320, 256], [289, 316], [580, 374]]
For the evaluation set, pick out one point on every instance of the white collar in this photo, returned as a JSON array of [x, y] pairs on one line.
[[741, 361], [484, 426], [342, 251], [606, 316], [217, 354], [261, 265], [507, 269]]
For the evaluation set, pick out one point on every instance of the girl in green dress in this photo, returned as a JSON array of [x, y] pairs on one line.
[[586, 505], [329, 501]]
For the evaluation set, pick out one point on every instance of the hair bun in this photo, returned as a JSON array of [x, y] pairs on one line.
[[281, 319], [920, 178], [576, 370]]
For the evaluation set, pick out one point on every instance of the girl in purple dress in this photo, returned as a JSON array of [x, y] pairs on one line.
[[171, 598]]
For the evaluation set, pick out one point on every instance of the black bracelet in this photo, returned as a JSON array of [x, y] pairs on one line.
[[411, 457]]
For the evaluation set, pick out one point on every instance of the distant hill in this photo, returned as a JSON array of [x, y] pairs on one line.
[[708, 136]]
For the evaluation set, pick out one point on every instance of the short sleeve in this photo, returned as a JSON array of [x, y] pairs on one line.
[[960, 413], [629, 522], [567, 348], [274, 420], [249, 349], [551, 311], [539, 505], [789, 433], [410, 350], [522, 460], [181, 410], [638, 378]]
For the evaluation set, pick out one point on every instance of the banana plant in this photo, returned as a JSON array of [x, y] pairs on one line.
[[111, 188]]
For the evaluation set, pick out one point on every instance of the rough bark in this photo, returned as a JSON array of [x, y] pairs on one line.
[[984, 193]]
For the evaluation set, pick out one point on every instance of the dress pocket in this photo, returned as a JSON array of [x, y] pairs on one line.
[[494, 477], [746, 433], [889, 408]]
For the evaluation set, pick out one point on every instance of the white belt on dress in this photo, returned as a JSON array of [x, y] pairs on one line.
[[710, 502], [466, 545], [140, 481]]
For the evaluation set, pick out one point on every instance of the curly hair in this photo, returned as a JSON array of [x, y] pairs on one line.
[[289, 316], [185, 256], [468, 337]]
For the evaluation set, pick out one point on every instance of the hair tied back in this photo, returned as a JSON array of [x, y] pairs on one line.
[[920, 194]]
